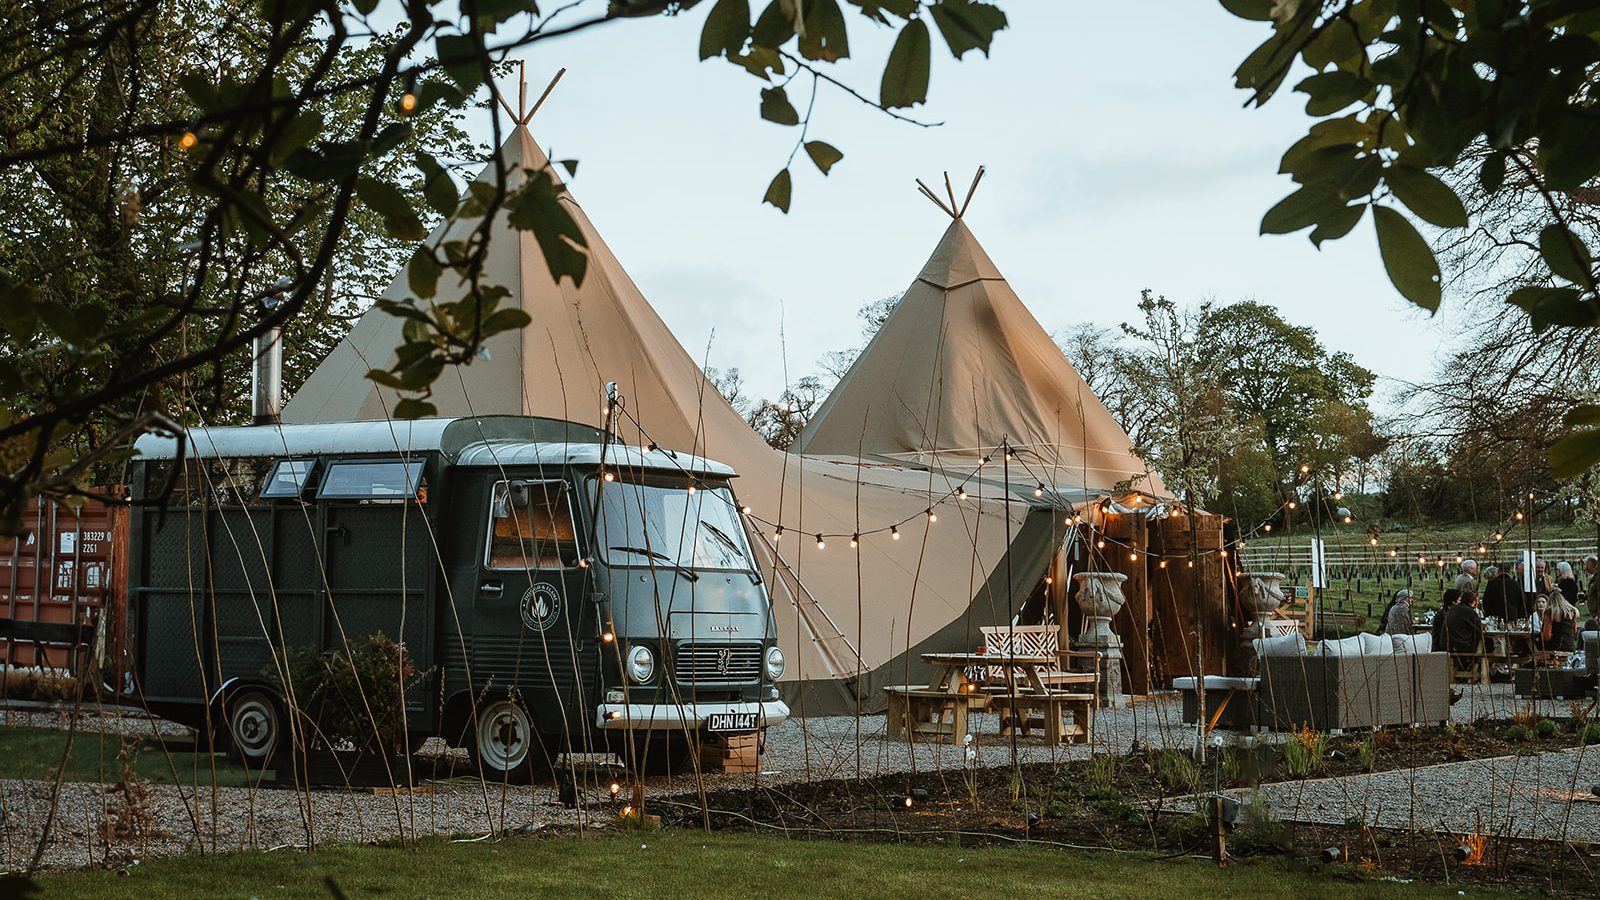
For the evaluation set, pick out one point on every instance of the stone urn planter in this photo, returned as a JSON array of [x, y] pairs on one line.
[[1099, 597], [1260, 593]]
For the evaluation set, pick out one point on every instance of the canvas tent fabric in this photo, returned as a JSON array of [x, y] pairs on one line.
[[848, 629], [961, 364]]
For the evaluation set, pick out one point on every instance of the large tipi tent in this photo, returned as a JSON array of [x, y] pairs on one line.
[[848, 628], [959, 366]]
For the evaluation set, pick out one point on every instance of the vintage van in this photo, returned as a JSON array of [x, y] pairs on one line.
[[558, 592]]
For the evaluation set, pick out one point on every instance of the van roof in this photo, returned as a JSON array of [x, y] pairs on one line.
[[470, 441]]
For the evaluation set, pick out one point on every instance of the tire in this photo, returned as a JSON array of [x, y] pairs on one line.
[[254, 727], [506, 743]]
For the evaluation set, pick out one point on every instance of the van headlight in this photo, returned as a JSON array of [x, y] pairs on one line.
[[774, 663], [641, 664]]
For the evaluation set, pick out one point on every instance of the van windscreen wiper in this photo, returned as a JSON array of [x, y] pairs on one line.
[[645, 551], [733, 547]]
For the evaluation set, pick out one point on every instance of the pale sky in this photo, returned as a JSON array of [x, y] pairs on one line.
[[1119, 157]]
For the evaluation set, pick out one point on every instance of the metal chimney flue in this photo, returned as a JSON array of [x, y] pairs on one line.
[[266, 375]]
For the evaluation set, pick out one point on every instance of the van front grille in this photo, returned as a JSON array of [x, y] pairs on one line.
[[718, 663]]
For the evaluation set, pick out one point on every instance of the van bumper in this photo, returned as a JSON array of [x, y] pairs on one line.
[[684, 715]]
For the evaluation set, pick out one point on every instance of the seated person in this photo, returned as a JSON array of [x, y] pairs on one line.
[[1563, 618], [1446, 603], [1463, 627]]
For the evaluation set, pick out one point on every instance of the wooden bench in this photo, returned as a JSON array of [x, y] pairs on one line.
[[916, 710], [1052, 711]]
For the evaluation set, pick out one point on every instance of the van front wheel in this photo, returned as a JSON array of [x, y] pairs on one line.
[[505, 743]]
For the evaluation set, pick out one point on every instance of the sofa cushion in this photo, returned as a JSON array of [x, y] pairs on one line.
[[1350, 646], [1280, 645], [1376, 644], [1413, 643], [1217, 683]]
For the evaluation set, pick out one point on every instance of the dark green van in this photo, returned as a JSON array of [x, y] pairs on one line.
[[558, 592]]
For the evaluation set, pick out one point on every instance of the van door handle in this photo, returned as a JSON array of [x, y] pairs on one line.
[[492, 589]]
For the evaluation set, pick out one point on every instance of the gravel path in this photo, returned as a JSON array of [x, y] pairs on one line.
[[1515, 795]]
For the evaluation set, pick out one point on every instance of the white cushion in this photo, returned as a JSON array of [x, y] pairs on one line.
[[1376, 644], [1280, 645], [1350, 646], [1413, 643], [1217, 682]]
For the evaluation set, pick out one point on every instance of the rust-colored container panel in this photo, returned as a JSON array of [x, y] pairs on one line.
[[71, 569]]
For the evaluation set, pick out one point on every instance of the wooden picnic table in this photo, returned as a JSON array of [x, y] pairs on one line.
[[1031, 687]]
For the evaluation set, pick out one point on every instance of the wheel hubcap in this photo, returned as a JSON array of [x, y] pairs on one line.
[[254, 724], [504, 733]]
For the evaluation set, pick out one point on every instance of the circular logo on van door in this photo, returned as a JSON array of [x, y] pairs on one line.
[[541, 605]]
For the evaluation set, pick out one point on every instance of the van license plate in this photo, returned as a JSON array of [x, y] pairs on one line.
[[739, 721]]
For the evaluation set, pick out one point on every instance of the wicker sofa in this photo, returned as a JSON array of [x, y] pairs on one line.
[[1353, 691]]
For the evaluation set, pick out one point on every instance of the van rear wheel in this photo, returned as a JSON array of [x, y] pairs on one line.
[[505, 743], [255, 727]]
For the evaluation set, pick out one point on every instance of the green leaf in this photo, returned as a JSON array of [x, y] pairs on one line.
[[458, 53], [1408, 258], [298, 132], [202, 91], [1424, 194], [775, 107], [823, 154], [387, 201], [825, 37], [774, 26], [63, 323], [438, 188], [1493, 173], [1547, 306], [1330, 92], [1335, 226], [726, 29], [1254, 10], [905, 76], [967, 24], [538, 209], [1304, 207], [1566, 254], [778, 191], [422, 274], [18, 314], [759, 62], [1582, 414], [504, 320], [393, 135], [414, 408], [493, 12], [330, 161], [1575, 454]]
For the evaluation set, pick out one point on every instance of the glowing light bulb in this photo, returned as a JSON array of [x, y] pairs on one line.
[[1459, 558], [615, 788], [1372, 541], [607, 637], [1163, 564], [1191, 563], [408, 101], [1498, 537], [188, 140], [1394, 552], [821, 544], [1133, 557], [609, 477], [1338, 495], [691, 490], [777, 532], [1305, 469], [894, 532], [1100, 545], [1519, 515], [933, 516], [1293, 504], [1422, 561], [1049, 580], [1039, 491], [1222, 552], [1268, 527], [855, 539], [745, 509], [1348, 520], [961, 493]]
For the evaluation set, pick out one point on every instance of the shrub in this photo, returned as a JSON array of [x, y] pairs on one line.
[[355, 698], [1367, 752], [1305, 755], [1591, 734], [1104, 769], [1517, 732], [1231, 764], [1178, 770], [1546, 728]]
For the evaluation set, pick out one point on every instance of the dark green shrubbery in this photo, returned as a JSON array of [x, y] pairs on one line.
[[355, 698]]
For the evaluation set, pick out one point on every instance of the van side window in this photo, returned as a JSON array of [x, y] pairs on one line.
[[531, 526]]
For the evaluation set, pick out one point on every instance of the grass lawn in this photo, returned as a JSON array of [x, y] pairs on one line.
[[36, 752], [692, 864]]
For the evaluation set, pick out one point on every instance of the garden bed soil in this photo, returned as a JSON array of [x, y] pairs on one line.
[[1125, 802]]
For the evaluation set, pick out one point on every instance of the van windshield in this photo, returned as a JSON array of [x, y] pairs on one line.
[[660, 523]]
